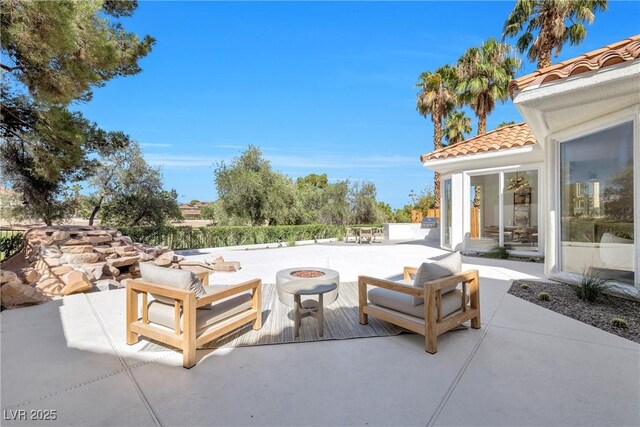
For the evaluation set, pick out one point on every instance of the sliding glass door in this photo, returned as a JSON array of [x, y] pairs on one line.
[[597, 211], [504, 210]]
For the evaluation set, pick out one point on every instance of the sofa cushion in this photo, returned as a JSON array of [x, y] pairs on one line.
[[434, 270], [173, 277], [163, 314], [451, 301]]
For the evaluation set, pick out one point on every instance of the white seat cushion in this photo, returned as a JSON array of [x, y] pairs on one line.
[[163, 314], [451, 301]]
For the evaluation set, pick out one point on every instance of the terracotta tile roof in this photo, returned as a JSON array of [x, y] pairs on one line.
[[625, 50], [512, 136]]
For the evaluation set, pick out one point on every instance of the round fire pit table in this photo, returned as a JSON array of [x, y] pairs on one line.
[[308, 307], [309, 275]]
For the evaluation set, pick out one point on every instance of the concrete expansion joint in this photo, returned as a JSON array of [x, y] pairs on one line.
[[464, 367], [126, 368], [635, 350]]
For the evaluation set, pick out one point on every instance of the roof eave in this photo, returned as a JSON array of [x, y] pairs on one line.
[[447, 161]]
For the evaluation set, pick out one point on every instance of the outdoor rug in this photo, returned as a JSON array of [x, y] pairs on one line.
[[340, 323]]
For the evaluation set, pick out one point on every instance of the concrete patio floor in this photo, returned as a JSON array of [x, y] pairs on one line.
[[525, 366]]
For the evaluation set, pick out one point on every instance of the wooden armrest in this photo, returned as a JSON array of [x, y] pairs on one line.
[[388, 284], [166, 291], [408, 271], [227, 292], [466, 276]]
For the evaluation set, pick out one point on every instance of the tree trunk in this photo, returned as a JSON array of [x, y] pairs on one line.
[[437, 144], [482, 122], [96, 208], [544, 60]]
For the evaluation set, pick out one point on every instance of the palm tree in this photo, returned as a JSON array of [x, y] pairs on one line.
[[503, 124], [437, 97], [456, 126], [556, 22], [485, 73]]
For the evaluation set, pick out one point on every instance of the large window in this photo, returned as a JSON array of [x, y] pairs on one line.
[[597, 215]]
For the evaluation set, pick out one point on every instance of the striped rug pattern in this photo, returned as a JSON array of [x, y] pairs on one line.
[[340, 323]]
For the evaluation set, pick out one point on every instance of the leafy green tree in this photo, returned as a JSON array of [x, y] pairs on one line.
[[336, 209], [314, 180], [456, 126], [140, 198], [546, 25], [386, 213], [60, 49], [485, 73], [437, 97], [250, 190], [53, 53], [194, 202], [364, 205]]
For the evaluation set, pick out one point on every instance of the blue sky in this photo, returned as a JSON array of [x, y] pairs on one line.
[[319, 87]]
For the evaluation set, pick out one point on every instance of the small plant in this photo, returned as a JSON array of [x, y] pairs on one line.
[[498, 252], [617, 322], [524, 286], [543, 296], [591, 286]]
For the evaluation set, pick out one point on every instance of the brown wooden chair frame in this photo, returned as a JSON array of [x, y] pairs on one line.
[[185, 300], [433, 324]]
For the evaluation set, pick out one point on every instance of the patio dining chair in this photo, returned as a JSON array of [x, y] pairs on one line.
[[366, 234], [378, 235], [184, 314], [440, 298], [350, 235]]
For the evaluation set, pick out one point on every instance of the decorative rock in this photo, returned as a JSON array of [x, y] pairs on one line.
[[115, 243], [106, 285], [126, 239], [104, 249], [52, 262], [59, 271], [144, 257], [50, 286], [121, 262], [77, 249], [50, 252], [59, 235], [110, 270], [111, 256], [76, 241], [30, 274], [213, 259], [99, 239], [8, 276], [227, 266], [123, 249], [163, 262], [79, 258], [75, 282], [17, 294]]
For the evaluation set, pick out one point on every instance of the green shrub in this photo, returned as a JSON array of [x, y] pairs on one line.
[[498, 252], [591, 286], [617, 322], [543, 296], [10, 243], [524, 286], [184, 237]]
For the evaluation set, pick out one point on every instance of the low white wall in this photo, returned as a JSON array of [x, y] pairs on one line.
[[406, 231]]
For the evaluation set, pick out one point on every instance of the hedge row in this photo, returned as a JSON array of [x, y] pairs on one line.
[[10, 243], [184, 237]]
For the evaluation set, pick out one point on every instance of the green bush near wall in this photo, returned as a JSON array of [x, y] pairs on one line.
[[184, 237]]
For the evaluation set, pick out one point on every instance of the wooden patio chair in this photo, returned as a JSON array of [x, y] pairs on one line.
[[350, 234], [378, 235], [444, 306], [366, 234], [187, 317]]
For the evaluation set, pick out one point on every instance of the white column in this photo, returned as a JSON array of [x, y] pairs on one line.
[[457, 211]]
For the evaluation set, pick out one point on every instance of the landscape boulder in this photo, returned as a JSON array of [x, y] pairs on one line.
[[16, 294]]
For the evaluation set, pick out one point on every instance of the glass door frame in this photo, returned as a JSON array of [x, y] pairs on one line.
[[500, 171], [443, 211], [581, 131]]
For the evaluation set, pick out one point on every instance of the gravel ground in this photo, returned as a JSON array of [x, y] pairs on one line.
[[599, 314]]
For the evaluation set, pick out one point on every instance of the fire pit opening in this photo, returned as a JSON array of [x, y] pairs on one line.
[[306, 274]]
